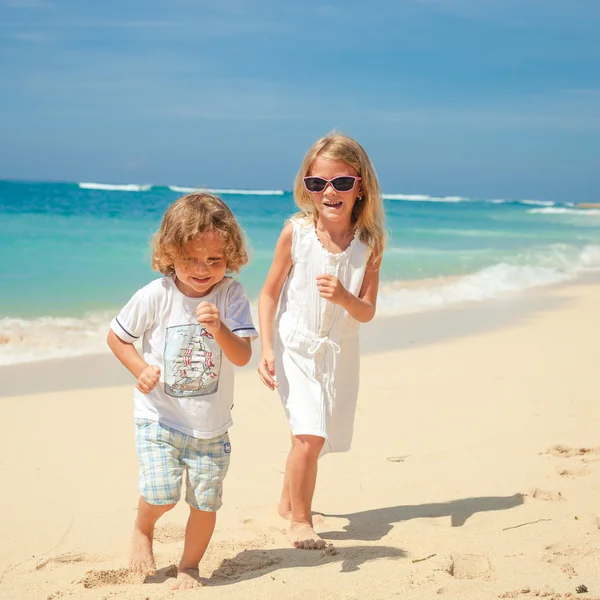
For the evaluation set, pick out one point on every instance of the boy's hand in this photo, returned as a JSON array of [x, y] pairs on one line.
[[266, 370], [209, 317], [148, 379], [331, 289]]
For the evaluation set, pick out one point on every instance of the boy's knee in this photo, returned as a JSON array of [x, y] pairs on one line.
[[158, 509]]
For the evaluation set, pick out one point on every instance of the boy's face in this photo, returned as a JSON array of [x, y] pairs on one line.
[[202, 267]]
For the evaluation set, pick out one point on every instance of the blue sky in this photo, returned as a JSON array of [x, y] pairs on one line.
[[478, 98]]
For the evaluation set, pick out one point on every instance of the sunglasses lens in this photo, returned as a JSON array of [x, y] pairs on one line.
[[314, 184], [343, 184]]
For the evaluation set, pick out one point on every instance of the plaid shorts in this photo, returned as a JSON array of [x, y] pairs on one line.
[[165, 453]]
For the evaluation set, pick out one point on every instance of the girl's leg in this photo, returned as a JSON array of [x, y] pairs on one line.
[[301, 472], [141, 560], [199, 530], [285, 504]]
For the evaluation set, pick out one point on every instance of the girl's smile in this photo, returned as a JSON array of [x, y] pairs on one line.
[[332, 204]]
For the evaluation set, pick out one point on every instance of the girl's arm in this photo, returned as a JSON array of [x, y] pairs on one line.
[[361, 307], [268, 301], [147, 375]]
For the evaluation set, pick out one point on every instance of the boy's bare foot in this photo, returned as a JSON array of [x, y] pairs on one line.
[[187, 579], [141, 560], [304, 537]]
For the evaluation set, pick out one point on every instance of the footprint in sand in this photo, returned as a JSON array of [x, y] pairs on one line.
[[63, 559], [547, 593], [95, 579], [169, 533], [546, 495], [470, 566], [571, 473], [245, 562], [569, 556], [567, 451]]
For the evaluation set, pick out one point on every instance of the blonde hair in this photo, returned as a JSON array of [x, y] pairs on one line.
[[367, 215], [192, 216]]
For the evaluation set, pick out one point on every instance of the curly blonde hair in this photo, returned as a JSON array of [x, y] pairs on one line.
[[368, 215], [191, 216]]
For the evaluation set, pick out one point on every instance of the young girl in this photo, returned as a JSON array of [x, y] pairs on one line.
[[195, 325], [326, 270]]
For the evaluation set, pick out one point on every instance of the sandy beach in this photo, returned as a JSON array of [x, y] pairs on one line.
[[474, 473]]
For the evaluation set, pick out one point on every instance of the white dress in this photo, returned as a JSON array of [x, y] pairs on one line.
[[316, 341]]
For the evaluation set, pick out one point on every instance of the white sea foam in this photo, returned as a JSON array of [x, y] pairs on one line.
[[540, 268], [114, 187], [28, 340], [537, 202], [423, 198], [580, 212], [182, 190], [526, 202], [248, 192], [231, 192]]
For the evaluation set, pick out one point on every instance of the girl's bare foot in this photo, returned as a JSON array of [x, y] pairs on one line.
[[304, 537], [141, 560], [187, 579], [285, 510]]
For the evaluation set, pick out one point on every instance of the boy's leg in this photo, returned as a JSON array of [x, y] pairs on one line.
[[199, 530], [207, 463], [301, 470], [161, 472], [141, 560]]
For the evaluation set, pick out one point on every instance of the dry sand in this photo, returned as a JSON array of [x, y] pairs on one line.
[[475, 473]]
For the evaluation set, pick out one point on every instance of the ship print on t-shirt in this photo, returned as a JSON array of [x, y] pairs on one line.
[[192, 361]]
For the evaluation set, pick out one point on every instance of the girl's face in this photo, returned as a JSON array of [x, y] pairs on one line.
[[202, 267], [332, 205]]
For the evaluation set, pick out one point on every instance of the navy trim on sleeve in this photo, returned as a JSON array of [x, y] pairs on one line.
[[125, 330], [243, 329]]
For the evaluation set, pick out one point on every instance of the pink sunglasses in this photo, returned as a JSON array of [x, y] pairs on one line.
[[345, 183]]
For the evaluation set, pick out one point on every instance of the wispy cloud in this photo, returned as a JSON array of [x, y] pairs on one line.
[[33, 37], [550, 13], [99, 24], [28, 3]]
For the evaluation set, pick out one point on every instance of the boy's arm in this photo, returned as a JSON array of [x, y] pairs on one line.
[[237, 349], [147, 375]]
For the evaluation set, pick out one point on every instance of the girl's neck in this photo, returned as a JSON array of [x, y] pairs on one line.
[[334, 230], [334, 239]]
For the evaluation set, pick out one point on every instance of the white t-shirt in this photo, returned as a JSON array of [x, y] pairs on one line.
[[195, 392]]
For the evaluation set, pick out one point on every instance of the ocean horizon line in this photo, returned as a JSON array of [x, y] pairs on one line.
[[240, 191]]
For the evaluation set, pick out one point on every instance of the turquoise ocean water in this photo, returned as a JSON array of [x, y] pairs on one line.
[[73, 253]]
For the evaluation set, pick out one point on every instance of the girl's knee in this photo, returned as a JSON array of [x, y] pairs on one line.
[[310, 445]]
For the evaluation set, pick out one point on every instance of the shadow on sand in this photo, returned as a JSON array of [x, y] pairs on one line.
[[371, 525]]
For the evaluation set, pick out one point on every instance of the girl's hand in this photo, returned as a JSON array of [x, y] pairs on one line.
[[208, 316], [266, 370], [331, 289], [148, 379]]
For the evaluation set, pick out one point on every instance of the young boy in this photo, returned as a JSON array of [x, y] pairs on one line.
[[195, 325]]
